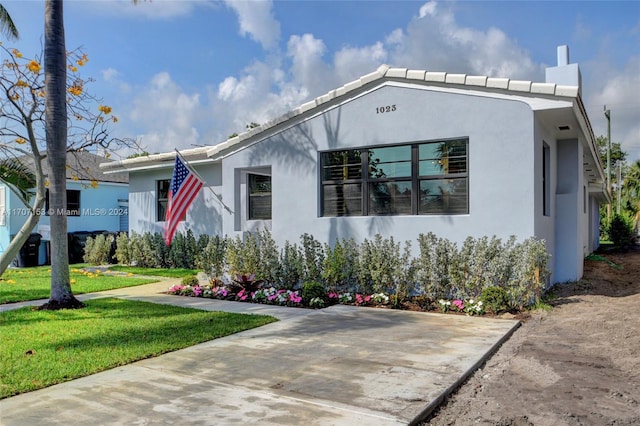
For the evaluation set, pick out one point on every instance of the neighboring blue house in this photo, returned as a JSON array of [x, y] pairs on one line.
[[101, 206], [401, 152]]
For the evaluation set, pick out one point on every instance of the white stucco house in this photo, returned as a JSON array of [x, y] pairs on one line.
[[401, 152]]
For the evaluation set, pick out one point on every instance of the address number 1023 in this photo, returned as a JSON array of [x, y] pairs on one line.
[[384, 109]]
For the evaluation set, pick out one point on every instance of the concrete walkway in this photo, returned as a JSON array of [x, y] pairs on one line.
[[341, 365]]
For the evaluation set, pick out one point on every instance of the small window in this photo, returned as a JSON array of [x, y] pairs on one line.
[[162, 197], [259, 197], [546, 179], [73, 202]]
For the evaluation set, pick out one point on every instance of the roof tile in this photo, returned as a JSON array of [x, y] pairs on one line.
[[544, 88], [497, 83], [520, 85], [396, 73], [566, 91], [416, 74], [476, 80], [435, 76], [456, 78]]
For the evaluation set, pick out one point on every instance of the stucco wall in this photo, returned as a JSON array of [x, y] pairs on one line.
[[501, 161], [203, 217]]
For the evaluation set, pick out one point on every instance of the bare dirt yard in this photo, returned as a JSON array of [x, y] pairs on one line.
[[576, 364]]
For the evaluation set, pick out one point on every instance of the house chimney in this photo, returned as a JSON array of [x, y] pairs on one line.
[[563, 55], [564, 73]]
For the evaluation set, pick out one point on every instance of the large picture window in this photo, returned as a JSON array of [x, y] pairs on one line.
[[259, 197], [409, 179]]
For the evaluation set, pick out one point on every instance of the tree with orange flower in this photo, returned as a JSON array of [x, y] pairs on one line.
[[23, 133]]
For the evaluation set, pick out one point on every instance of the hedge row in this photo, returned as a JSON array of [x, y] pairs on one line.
[[377, 265]]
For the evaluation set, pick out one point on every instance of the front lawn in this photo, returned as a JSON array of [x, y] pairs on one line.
[[22, 284], [42, 348], [155, 272]]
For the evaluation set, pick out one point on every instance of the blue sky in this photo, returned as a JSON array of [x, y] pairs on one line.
[[180, 73]]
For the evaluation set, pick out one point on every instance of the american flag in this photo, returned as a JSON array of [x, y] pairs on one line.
[[185, 186]]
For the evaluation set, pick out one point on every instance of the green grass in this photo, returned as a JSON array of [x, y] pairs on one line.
[[42, 348], [598, 258], [18, 285], [156, 272]]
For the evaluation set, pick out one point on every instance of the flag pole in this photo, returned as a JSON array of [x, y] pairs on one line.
[[218, 197]]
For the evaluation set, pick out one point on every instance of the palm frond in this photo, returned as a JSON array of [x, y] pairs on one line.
[[19, 176], [7, 27]]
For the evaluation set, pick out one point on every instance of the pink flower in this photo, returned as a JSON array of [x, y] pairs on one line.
[[176, 288], [333, 295], [242, 295], [458, 304], [197, 291]]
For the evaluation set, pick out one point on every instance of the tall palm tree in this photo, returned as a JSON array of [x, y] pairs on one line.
[[55, 71], [7, 27]]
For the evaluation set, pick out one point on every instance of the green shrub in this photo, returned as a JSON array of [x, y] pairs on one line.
[[312, 257], [341, 265], [291, 266], [269, 261], [621, 230], [495, 299], [444, 272], [97, 251], [123, 249], [211, 259], [313, 290], [191, 280], [433, 266]]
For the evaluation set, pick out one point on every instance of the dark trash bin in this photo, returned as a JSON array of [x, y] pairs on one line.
[[30, 252], [77, 241]]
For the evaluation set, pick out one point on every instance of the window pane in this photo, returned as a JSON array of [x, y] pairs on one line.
[[73, 202], [162, 210], [163, 188], [444, 196], [390, 162], [342, 200], [260, 207], [259, 197], [442, 158], [259, 184], [341, 165], [390, 198], [162, 197]]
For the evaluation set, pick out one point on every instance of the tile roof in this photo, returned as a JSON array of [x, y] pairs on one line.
[[384, 72], [83, 165]]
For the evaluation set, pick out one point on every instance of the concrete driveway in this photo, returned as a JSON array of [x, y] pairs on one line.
[[342, 365]]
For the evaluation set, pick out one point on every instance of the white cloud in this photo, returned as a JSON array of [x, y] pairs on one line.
[[308, 69], [435, 41], [168, 115], [256, 19], [115, 79], [153, 10], [428, 9], [353, 62], [620, 92]]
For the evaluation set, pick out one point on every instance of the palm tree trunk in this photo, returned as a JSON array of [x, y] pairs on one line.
[[55, 71]]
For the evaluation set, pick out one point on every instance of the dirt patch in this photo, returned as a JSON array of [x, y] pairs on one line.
[[577, 364]]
